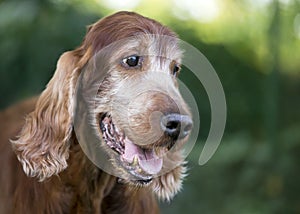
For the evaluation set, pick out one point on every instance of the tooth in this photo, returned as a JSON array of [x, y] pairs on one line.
[[139, 170], [121, 181], [135, 161], [157, 151]]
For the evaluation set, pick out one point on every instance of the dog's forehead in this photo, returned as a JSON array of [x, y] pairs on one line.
[[164, 46], [151, 45]]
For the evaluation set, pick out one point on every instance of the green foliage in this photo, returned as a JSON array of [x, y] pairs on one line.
[[33, 34], [256, 53], [243, 177]]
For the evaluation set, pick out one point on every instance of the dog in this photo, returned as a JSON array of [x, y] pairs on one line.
[[138, 120]]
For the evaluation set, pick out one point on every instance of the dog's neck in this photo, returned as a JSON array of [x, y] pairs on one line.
[[100, 192]]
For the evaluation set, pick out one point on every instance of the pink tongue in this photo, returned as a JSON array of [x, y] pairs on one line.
[[148, 160]]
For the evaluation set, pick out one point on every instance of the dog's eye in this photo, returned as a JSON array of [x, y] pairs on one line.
[[131, 61], [176, 69]]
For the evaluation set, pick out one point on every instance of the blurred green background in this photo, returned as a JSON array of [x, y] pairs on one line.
[[254, 45]]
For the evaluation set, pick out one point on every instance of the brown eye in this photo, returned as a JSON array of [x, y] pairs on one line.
[[131, 61], [176, 69]]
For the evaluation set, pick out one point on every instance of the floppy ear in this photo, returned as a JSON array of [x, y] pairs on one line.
[[43, 144]]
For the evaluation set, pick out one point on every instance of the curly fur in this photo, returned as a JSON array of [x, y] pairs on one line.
[[58, 177]]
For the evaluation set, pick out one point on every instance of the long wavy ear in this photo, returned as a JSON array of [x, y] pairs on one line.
[[43, 144]]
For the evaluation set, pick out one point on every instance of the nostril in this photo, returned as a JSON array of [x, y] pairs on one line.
[[176, 125], [172, 125]]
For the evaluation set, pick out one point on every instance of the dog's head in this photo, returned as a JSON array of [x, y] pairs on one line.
[[139, 116]]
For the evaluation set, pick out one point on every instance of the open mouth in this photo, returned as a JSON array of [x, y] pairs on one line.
[[140, 162]]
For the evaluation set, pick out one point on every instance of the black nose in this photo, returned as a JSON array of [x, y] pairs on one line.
[[176, 126]]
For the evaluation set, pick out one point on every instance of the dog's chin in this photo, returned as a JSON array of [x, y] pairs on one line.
[[169, 184], [138, 165]]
